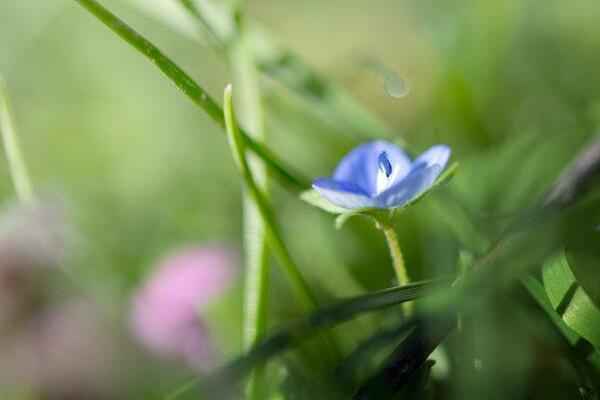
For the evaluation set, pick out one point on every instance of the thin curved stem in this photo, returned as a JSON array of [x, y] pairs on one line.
[[397, 259], [192, 90]]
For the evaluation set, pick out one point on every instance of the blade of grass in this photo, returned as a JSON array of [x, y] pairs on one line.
[[326, 317], [237, 144], [408, 357], [14, 157], [329, 100], [256, 292], [191, 89], [360, 355], [304, 293], [322, 319], [569, 342]]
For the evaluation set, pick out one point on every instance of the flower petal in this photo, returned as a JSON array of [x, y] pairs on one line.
[[343, 194], [416, 182], [361, 165], [435, 155]]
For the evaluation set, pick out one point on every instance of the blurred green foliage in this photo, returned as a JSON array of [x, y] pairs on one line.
[[512, 86]]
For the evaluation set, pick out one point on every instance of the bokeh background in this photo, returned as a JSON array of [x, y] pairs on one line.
[[135, 171]]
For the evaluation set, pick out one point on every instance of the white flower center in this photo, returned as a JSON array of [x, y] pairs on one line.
[[386, 174]]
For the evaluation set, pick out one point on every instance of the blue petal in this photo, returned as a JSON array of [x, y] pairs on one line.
[[343, 194], [361, 165], [416, 182], [435, 155]]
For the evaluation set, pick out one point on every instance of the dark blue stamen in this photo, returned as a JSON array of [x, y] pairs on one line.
[[384, 164]]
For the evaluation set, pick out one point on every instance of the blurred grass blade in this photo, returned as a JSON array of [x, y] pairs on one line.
[[574, 348], [14, 156], [173, 14], [325, 318], [304, 293], [256, 290], [215, 18], [359, 356], [191, 89], [408, 357], [280, 64], [236, 142]]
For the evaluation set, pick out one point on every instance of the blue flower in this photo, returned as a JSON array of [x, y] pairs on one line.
[[379, 174]]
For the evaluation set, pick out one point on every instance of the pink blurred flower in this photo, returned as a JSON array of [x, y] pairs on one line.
[[166, 310], [32, 238]]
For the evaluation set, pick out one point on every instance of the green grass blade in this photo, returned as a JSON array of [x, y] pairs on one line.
[[191, 89], [570, 300], [303, 292], [14, 156], [236, 141], [256, 291], [281, 64], [538, 293], [307, 327], [398, 370], [326, 318]]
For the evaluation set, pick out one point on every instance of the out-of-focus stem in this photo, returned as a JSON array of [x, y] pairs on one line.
[[303, 291], [256, 291], [304, 294], [14, 156]]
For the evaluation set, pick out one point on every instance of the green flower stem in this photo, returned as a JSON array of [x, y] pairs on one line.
[[397, 259], [191, 89], [16, 162]]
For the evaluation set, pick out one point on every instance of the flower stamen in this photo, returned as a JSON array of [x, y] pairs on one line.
[[384, 164]]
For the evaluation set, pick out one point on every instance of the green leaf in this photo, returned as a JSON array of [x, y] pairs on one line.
[[325, 318], [537, 290], [583, 255], [570, 300], [220, 382], [397, 373]]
